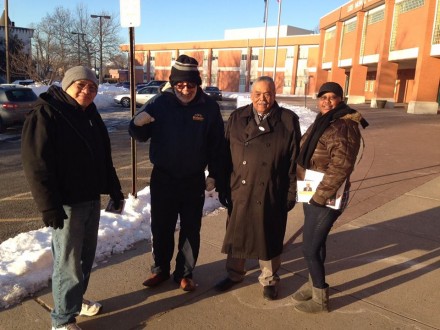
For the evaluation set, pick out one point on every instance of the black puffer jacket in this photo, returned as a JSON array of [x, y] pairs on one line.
[[66, 152], [184, 138]]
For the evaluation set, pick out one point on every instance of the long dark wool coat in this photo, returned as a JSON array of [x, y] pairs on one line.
[[262, 180]]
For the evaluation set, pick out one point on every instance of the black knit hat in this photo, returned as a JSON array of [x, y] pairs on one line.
[[185, 69], [331, 87]]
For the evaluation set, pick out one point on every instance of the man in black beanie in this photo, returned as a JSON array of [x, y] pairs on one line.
[[187, 135]]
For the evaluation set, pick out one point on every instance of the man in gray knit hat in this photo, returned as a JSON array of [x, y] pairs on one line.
[[67, 161], [187, 135]]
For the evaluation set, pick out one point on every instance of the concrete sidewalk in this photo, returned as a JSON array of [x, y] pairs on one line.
[[383, 256]]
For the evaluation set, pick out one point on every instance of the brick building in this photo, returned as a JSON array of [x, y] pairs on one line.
[[379, 50]]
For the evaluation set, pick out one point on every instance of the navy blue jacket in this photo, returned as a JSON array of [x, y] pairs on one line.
[[185, 139]]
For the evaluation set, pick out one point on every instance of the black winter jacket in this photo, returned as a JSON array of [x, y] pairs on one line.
[[184, 138], [66, 152]]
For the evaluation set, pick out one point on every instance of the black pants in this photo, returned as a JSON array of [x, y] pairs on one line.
[[317, 224], [171, 198]]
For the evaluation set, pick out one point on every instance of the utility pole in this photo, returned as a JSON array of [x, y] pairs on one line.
[[131, 17], [8, 74], [79, 52], [100, 43]]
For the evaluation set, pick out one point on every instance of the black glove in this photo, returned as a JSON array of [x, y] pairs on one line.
[[312, 201], [290, 205], [117, 197], [54, 218], [224, 199]]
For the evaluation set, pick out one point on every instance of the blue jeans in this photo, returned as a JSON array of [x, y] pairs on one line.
[[73, 249], [317, 224]]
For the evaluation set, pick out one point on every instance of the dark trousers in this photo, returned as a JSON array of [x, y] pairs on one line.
[[317, 224], [172, 198]]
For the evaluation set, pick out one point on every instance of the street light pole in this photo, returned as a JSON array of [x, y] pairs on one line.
[[79, 53], [100, 43], [8, 74]]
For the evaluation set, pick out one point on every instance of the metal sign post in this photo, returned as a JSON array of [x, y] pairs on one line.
[[130, 13]]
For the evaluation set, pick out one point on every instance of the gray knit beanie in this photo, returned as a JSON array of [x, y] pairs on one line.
[[78, 73]]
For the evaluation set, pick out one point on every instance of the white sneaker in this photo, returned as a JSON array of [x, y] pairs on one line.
[[70, 326], [90, 308]]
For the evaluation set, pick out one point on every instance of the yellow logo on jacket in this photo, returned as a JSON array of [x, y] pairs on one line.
[[198, 117]]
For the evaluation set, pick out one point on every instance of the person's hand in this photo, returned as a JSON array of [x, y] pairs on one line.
[[312, 201], [142, 118], [117, 197], [290, 205], [224, 199], [209, 184], [54, 218]]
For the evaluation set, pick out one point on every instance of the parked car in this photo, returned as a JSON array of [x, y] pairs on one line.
[[125, 84], [24, 82], [157, 83], [214, 92], [142, 96], [15, 102]]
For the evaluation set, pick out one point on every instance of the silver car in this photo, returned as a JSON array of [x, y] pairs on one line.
[[142, 96], [15, 102]]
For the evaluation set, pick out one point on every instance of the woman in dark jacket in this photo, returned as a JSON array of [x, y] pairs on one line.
[[330, 146]]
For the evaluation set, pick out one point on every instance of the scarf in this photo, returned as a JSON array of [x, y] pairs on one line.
[[322, 121]]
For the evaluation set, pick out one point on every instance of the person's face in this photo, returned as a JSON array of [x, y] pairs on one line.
[[83, 92], [263, 96], [328, 101], [185, 91]]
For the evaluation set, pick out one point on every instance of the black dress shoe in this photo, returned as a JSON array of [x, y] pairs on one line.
[[225, 284], [270, 292]]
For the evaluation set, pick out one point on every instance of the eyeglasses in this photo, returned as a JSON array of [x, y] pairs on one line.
[[265, 95], [82, 86], [182, 85], [328, 98]]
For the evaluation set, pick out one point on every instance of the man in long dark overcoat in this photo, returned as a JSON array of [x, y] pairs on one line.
[[262, 146]]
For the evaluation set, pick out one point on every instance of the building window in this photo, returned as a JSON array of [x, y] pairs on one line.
[[436, 32], [330, 34], [376, 17], [408, 5], [349, 27], [213, 80], [303, 53], [243, 57], [254, 58]]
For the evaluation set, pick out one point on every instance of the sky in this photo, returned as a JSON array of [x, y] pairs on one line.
[[172, 20], [26, 259]]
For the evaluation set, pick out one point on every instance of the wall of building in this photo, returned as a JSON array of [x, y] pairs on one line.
[[384, 50], [376, 49], [232, 65]]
